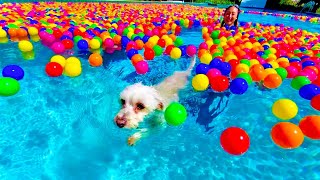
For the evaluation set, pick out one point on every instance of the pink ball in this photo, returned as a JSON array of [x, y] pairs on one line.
[[110, 50], [43, 34], [191, 50], [310, 74], [292, 71], [213, 72], [108, 43], [203, 45], [58, 47], [50, 39], [142, 67], [68, 33]]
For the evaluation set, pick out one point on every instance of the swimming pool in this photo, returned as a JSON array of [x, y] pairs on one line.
[[62, 128]]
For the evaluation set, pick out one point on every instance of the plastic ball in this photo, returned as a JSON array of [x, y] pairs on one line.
[[225, 68], [25, 46], [287, 135], [67, 43], [284, 109], [175, 53], [213, 72], [72, 69], [235, 141], [136, 58], [54, 69], [108, 43], [57, 47], [132, 52], [206, 58], [95, 59], [141, 67], [33, 31], [13, 71], [219, 83], [148, 54], [191, 50], [315, 102], [8, 86], [272, 81], [238, 86], [175, 114], [282, 72], [94, 44], [246, 77], [202, 68], [308, 91], [58, 59], [200, 82], [157, 50], [299, 81], [83, 44], [310, 126], [73, 60]]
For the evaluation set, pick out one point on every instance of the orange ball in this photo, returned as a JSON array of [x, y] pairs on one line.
[[12, 32], [287, 135], [284, 64], [136, 58], [310, 126], [95, 59], [140, 44], [149, 44], [202, 52], [22, 32], [117, 39], [272, 81], [257, 74]]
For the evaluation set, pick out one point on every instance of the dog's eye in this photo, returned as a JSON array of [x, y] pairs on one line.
[[140, 106], [122, 101]]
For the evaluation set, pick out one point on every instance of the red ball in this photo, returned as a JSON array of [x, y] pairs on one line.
[[168, 49], [219, 83], [235, 141], [54, 69], [162, 43], [310, 126], [57, 33], [68, 44], [148, 54], [315, 102]]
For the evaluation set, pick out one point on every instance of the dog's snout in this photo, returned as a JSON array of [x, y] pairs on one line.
[[121, 121]]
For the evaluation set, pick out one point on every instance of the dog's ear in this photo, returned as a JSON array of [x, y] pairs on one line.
[[160, 106]]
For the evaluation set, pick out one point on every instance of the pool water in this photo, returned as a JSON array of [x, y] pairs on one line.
[[62, 128]]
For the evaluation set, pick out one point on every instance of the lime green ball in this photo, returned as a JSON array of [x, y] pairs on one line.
[[178, 42], [215, 34], [245, 61], [98, 38], [158, 50], [282, 72], [76, 39], [8, 86], [246, 77], [175, 114], [125, 31], [299, 81], [216, 41]]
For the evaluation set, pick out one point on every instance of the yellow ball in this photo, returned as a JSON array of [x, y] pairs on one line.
[[175, 53], [72, 69], [35, 38], [25, 46], [254, 62], [274, 64], [32, 31], [168, 41], [129, 35], [94, 44], [270, 71], [206, 58], [3, 33], [285, 109], [200, 82], [230, 57], [58, 59], [204, 30], [242, 68], [248, 45], [73, 60]]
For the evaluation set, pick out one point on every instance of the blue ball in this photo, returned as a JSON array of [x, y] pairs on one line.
[[145, 38], [215, 63], [13, 71], [307, 63], [225, 68], [83, 44], [260, 53], [309, 91], [202, 68], [132, 52], [183, 49], [124, 41], [266, 65], [238, 86]]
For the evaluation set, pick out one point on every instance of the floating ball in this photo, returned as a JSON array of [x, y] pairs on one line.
[[213, 72], [308, 91], [175, 53], [191, 50], [287, 135], [132, 52], [206, 58], [148, 54], [284, 109], [238, 86], [315, 102], [299, 81], [310, 126], [25, 46], [282, 72], [246, 77], [202, 68], [58, 59], [272, 81], [57, 47], [54, 69], [136, 58], [94, 44], [8, 86], [235, 141], [73, 60], [95, 59], [200, 82], [13, 71], [72, 69], [67, 43], [83, 44], [219, 83], [175, 114], [141, 67]]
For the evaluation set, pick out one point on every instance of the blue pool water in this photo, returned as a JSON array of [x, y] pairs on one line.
[[62, 128]]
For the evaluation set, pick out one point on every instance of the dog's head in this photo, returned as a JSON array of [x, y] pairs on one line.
[[137, 101]]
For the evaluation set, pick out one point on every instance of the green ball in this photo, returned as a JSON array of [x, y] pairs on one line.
[[215, 34], [76, 39], [246, 77], [98, 38], [299, 81], [125, 31], [245, 61], [216, 41], [178, 42], [158, 50], [282, 72], [175, 114], [8, 86]]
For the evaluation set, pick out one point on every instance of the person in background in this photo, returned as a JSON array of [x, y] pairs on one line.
[[230, 17]]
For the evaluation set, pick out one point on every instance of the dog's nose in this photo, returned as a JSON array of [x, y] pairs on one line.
[[121, 122]]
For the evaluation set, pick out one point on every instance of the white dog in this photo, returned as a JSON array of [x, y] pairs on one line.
[[139, 101]]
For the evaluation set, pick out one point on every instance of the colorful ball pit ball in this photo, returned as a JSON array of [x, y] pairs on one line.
[[13, 71], [285, 109], [141, 67], [175, 114], [58, 59], [235, 141], [54, 69], [238, 86], [315, 102], [95, 60], [219, 83], [200, 82], [8, 86], [310, 126], [308, 91], [191, 50], [287, 135], [57, 47], [25, 46], [299, 81], [72, 69]]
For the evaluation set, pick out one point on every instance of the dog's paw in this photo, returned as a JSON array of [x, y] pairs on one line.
[[132, 141]]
